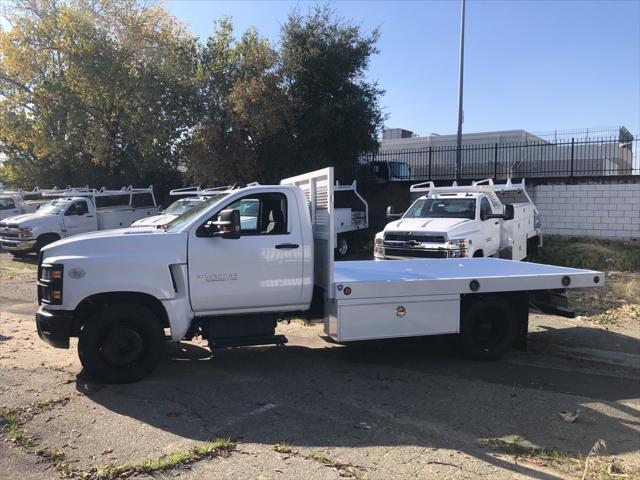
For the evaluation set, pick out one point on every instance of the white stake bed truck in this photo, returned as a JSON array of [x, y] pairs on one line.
[[75, 211], [478, 220], [203, 275]]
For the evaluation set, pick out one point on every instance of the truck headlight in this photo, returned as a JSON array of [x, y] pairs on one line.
[[50, 278], [459, 247], [378, 245], [26, 232]]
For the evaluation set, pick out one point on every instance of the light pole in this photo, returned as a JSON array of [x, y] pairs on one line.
[[460, 83]]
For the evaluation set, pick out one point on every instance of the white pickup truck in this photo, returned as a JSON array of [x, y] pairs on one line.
[[478, 220], [72, 212], [204, 275]]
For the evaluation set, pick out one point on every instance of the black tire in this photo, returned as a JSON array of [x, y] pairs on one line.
[[489, 328], [22, 254], [342, 246], [532, 250], [44, 240], [121, 343], [478, 254]]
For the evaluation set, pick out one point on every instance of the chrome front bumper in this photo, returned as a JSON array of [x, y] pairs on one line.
[[17, 245]]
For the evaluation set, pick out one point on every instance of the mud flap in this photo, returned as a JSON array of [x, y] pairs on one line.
[[552, 302]]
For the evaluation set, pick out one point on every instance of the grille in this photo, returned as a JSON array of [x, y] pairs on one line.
[[9, 234], [418, 237], [416, 252]]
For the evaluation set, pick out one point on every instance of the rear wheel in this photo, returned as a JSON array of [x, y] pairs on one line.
[[342, 246], [489, 328], [532, 249], [121, 343]]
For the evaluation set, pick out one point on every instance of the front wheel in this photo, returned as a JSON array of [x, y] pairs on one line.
[[121, 343], [44, 240], [488, 329]]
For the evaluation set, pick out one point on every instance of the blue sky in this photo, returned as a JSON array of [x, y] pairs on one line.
[[537, 65]]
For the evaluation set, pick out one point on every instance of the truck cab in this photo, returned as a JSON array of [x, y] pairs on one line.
[[479, 220]]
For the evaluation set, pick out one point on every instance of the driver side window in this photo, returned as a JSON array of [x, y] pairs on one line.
[[485, 208], [260, 214], [77, 208]]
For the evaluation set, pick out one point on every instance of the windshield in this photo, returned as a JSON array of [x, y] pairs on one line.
[[181, 206], [54, 207], [443, 208], [193, 211]]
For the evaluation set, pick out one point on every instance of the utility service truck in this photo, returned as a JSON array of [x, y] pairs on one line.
[[203, 274], [74, 211], [478, 220]]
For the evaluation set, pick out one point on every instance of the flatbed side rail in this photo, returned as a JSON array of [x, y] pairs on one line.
[[318, 189]]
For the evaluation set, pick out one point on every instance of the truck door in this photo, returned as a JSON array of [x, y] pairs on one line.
[[78, 218], [490, 228], [262, 268]]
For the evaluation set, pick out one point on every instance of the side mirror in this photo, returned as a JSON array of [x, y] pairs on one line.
[[508, 212], [391, 215], [228, 224]]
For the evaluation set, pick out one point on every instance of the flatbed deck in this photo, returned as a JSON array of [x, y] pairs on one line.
[[376, 278]]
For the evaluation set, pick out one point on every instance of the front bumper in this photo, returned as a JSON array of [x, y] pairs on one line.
[[396, 252], [16, 245], [54, 326]]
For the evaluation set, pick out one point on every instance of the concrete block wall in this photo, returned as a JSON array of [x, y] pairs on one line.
[[598, 208]]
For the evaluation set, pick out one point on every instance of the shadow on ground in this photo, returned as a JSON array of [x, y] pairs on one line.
[[406, 392]]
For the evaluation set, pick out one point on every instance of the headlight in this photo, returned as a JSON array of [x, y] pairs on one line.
[[26, 232], [50, 284], [378, 248], [459, 247]]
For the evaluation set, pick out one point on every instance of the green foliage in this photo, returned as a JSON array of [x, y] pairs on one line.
[[336, 115], [94, 92], [116, 92], [591, 253]]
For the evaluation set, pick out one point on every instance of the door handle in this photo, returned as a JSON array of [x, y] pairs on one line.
[[287, 246], [496, 223], [89, 216]]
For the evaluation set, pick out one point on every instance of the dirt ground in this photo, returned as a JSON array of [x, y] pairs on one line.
[[316, 410]]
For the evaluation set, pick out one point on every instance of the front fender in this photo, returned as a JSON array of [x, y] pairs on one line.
[[86, 276]]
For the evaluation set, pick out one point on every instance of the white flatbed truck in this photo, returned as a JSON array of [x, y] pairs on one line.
[[203, 275]]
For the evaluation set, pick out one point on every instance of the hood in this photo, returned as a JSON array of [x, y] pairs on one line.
[[122, 243], [434, 225], [153, 220], [24, 219]]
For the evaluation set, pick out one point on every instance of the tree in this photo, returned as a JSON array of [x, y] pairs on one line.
[[336, 112], [94, 91], [243, 109], [268, 114]]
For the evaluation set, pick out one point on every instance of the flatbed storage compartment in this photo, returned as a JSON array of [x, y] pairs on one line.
[[399, 298]]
